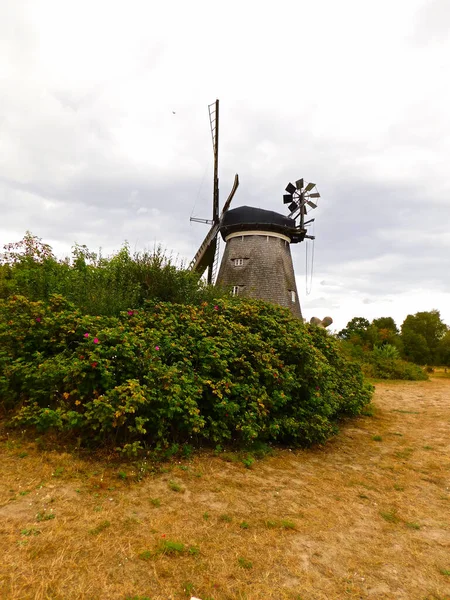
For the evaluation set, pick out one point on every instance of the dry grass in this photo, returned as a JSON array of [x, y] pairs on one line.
[[357, 518]]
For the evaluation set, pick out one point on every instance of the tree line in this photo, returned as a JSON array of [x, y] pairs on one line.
[[423, 338]]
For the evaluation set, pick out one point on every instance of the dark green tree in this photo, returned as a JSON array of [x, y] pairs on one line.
[[444, 349], [415, 348], [421, 336], [358, 327], [385, 332], [386, 323], [360, 332]]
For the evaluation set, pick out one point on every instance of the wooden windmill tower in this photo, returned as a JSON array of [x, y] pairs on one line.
[[257, 259]]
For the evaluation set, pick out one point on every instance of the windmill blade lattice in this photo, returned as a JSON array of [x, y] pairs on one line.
[[207, 255]]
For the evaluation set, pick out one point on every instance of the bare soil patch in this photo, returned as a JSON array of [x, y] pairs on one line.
[[367, 516]]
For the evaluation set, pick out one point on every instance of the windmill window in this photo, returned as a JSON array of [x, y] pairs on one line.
[[238, 262], [293, 296], [235, 290]]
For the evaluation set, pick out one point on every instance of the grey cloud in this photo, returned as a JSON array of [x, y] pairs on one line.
[[318, 303], [66, 174], [355, 219], [330, 283]]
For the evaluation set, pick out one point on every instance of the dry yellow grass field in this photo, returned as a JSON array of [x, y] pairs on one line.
[[365, 516]]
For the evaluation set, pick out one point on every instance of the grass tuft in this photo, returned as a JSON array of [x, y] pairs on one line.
[[31, 531], [270, 524], [175, 487], [43, 516], [170, 547], [225, 518], [390, 516], [244, 563], [100, 527], [404, 454]]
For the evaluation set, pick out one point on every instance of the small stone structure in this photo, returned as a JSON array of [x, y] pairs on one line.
[[325, 322]]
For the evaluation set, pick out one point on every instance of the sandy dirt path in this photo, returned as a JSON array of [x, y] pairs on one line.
[[367, 516]]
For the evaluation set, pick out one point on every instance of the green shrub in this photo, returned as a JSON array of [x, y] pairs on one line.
[[383, 362], [386, 368], [96, 285], [231, 371], [387, 351]]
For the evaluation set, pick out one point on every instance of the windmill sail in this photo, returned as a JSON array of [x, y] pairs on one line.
[[205, 254], [226, 206], [214, 122], [215, 267]]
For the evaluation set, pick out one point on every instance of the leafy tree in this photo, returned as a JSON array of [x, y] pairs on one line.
[[368, 335], [386, 331], [387, 323], [415, 348], [444, 349], [31, 248], [357, 327], [421, 335]]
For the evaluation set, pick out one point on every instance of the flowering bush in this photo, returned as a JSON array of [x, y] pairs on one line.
[[169, 373]]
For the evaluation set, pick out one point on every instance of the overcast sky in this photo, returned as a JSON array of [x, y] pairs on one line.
[[353, 95]]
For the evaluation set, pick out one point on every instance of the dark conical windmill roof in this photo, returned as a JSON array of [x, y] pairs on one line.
[[249, 217]]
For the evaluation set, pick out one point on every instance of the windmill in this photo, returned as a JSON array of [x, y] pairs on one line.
[[298, 197], [257, 259], [207, 255]]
